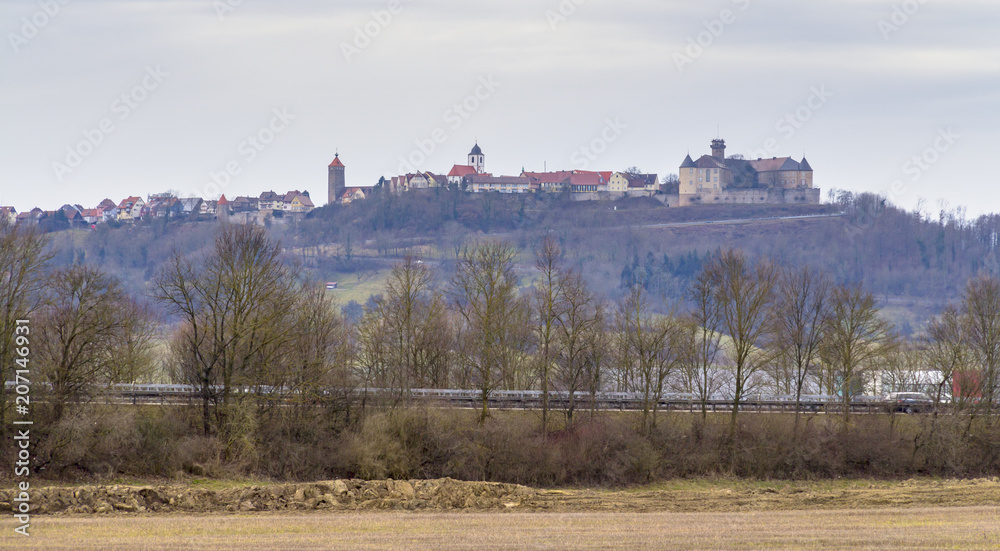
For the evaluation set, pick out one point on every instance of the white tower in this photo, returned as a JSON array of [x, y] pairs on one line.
[[476, 159]]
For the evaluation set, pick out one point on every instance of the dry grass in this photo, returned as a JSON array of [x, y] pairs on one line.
[[925, 528]]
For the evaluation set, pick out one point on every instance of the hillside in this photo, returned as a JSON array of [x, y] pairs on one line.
[[914, 263]]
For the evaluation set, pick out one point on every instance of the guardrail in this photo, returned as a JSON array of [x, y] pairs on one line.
[[521, 399]]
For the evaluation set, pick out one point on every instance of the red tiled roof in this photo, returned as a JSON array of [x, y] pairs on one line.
[[587, 179], [336, 160], [604, 174], [549, 177], [461, 170], [223, 200]]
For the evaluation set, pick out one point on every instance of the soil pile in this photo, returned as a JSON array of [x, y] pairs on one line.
[[441, 494]]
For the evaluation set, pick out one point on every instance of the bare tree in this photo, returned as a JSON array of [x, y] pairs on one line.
[[701, 338], [22, 259], [372, 358], [412, 312], [581, 316], [92, 334], [547, 308], [314, 367], [234, 308], [744, 291], [981, 313], [855, 337], [648, 350], [947, 351], [800, 317], [484, 291]]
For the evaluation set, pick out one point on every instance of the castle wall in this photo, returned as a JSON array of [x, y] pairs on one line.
[[752, 197]]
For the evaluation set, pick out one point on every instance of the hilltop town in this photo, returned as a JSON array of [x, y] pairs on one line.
[[711, 179]]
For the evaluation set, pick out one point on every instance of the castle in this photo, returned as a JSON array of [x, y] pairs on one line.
[[714, 179]]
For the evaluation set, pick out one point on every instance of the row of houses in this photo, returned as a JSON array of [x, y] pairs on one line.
[[473, 178], [135, 208]]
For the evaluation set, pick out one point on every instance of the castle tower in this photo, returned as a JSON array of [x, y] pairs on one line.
[[336, 183], [719, 149], [476, 159], [222, 209]]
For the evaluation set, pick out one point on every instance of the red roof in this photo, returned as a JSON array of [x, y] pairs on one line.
[[336, 160], [548, 177], [603, 173], [223, 200], [587, 179], [461, 170]]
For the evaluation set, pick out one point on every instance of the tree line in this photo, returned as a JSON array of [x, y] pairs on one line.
[[262, 343]]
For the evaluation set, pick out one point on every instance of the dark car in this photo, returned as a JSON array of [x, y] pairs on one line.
[[909, 402]]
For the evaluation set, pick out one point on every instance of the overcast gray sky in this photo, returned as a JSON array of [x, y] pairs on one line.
[[107, 98]]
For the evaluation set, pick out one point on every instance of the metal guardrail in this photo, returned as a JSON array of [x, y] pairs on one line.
[[523, 399]]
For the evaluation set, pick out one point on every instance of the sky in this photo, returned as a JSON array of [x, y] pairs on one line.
[[107, 99]]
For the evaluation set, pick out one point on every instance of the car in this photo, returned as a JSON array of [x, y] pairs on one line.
[[909, 402]]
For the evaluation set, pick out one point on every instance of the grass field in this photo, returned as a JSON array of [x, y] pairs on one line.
[[922, 528]]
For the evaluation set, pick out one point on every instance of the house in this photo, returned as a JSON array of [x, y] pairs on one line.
[[549, 182], [191, 205], [301, 203], [634, 184], [162, 206], [269, 200], [717, 179], [352, 194], [587, 182], [296, 201], [9, 214], [107, 210], [92, 216], [209, 208], [245, 204], [478, 183], [33, 215], [130, 209], [72, 213]]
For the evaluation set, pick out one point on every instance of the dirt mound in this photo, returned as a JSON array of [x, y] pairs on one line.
[[345, 495]]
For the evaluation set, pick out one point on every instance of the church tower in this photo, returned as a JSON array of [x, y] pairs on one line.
[[336, 183], [476, 159]]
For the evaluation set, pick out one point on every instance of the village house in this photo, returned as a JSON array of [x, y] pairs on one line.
[[352, 194], [191, 205], [9, 214], [625, 183], [130, 209], [478, 183]]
